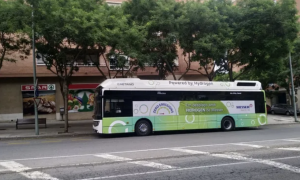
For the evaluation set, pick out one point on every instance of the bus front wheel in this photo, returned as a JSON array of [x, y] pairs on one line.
[[227, 124], [143, 128]]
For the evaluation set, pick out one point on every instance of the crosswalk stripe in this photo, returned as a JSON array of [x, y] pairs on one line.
[[143, 163], [290, 149], [189, 151], [243, 158], [113, 157], [19, 168], [249, 145]]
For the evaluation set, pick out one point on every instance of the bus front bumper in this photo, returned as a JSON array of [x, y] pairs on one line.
[[97, 126]]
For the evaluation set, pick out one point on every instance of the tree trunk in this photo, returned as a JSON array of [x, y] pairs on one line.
[[171, 70], [65, 97]]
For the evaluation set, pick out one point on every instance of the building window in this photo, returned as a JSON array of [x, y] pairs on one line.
[[86, 60], [40, 59], [119, 62], [82, 60], [113, 3]]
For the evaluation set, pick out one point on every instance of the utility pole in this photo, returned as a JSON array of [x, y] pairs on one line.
[[293, 90], [34, 75]]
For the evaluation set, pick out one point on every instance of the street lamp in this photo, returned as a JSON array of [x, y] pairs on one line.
[[293, 90], [34, 75]]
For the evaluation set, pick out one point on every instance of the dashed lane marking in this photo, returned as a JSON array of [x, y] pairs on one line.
[[23, 170], [54, 141], [81, 139], [143, 163], [17, 143]]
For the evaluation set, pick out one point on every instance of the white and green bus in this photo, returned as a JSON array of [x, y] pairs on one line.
[[145, 106]]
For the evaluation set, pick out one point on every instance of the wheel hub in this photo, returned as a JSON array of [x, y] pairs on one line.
[[143, 127], [227, 124]]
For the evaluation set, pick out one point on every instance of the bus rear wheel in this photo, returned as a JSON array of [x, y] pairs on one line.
[[143, 128], [227, 124]]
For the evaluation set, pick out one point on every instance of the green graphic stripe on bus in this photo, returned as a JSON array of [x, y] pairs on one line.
[[202, 108], [169, 108], [166, 123]]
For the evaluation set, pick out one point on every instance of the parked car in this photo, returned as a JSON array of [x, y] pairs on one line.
[[283, 109], [268, 108]]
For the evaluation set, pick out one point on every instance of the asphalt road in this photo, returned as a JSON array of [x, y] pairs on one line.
[[269, 152]]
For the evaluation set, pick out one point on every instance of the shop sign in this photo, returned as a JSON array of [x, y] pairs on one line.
[[41, 87]]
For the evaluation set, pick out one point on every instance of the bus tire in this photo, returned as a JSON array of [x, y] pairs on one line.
[[227, 124], [143, 128]]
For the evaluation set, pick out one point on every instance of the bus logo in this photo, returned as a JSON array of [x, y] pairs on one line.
[[243, 107], [163, 106]]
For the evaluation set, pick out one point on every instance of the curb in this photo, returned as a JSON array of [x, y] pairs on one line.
[[47, 136]]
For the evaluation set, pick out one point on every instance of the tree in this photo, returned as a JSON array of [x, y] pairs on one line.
[[204, 37], [13, 22], [118, 43], [161, 19], [65, 32], [262, 34], [285, 74]]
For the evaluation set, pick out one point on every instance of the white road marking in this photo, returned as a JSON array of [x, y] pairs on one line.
[[144, 150], [249, 145], [189, 151], [19, 168], [162, 171], [183, 169], [112, 157], [293, 140], [290, 149], [262, 161], [143, 163], [4, 170]]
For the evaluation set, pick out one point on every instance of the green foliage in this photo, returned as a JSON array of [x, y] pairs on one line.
[[262, 35], [13, 25], [204, 36], [161, 19], [285, 73]]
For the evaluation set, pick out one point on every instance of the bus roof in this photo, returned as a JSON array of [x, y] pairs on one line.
[[136, 83]]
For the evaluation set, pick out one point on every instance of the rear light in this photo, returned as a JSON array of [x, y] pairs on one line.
[[96, 123]]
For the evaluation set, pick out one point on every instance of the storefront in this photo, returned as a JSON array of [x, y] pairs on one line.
[[47, 105], [17, 102]]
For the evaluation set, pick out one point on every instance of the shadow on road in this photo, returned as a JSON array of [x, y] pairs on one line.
[[178, 132]]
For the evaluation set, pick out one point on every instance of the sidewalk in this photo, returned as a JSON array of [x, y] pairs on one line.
[[83, 128], [281, 119], [54, 128]]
